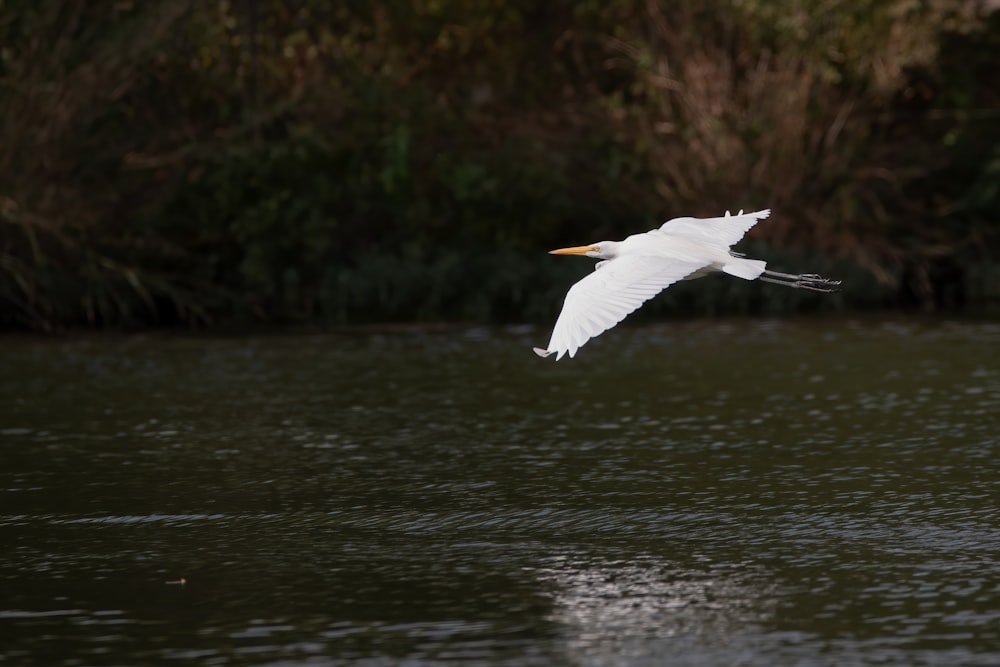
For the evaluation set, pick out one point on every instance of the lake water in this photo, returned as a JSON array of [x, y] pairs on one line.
[[706, 493]]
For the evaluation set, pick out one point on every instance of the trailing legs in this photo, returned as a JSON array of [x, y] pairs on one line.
[[809, 281]]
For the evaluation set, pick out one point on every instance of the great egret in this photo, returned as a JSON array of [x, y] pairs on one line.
[[640, 267]]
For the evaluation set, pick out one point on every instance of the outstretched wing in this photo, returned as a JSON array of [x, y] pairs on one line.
[[725, 231], [605, 297]]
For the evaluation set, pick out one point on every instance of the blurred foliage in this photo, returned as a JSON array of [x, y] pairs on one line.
[[203, 162]]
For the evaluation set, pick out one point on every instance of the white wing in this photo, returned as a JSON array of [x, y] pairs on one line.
[[605, 297], [726, 230]]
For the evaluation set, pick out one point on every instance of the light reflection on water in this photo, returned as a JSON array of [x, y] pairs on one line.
[[644, 612], [705, 493]]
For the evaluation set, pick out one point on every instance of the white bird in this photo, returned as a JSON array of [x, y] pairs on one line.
[[640, 267]]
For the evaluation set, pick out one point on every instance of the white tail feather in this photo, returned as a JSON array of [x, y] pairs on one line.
[[748, 269]]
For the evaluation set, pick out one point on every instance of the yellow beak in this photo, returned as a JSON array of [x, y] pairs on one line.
[[575, 250]]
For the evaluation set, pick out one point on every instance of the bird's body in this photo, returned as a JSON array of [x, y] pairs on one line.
[[641, 266]]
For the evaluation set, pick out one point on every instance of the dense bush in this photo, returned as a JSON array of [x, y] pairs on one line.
[[295, 160]]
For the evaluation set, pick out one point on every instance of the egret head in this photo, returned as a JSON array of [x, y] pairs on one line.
[[600, 250]]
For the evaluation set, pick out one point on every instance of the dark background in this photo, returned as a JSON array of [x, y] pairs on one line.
[[248, 163]]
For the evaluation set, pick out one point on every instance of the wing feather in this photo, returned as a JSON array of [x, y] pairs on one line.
[[726, 230], [605, 297]]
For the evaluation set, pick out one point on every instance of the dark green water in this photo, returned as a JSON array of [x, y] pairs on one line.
[[741, 493]]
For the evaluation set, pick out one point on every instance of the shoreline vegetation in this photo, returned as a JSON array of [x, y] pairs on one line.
[[294, 162]]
